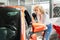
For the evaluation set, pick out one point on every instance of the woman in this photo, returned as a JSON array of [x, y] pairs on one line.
[[43, 18]]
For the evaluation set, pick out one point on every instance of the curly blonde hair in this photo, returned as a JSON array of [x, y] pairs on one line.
[[40, 8]]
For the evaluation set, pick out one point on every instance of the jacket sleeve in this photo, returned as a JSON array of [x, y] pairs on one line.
[[27, 17]]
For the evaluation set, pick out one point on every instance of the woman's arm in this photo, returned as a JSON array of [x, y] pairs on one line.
[[33, 19]]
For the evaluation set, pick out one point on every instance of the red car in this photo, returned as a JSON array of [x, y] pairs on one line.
[[10, 22], [57, 28]]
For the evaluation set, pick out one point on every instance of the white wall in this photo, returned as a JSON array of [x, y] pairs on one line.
[[10, 2], [56, 1], [13, 2], [4, 1]]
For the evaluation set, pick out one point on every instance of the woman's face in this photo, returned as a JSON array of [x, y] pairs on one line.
[[37, 11]]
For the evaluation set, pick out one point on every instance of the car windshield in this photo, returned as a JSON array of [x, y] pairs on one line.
[[7, 15]]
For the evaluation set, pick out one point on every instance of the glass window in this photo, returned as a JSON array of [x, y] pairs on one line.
[[56, 11]]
